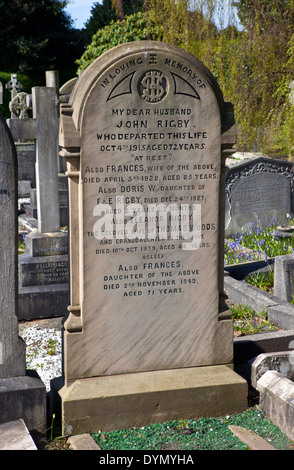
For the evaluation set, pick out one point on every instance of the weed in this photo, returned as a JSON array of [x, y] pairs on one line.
[[247, 322]]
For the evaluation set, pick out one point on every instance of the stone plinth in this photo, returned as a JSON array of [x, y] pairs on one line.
[[123, 401]]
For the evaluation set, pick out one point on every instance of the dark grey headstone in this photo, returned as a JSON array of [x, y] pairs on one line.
[[258, 192], [21, 396], [12, 348]]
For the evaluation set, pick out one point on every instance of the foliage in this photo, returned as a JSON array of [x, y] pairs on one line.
[[5, 77], [36, 36], [102, 14], [264, 281], [253, 66], [134, 28], [261, 243], [265, 68], [247, 322]]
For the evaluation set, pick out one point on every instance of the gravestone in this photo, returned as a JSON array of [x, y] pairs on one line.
[[284, 277], [258, 191], [148, 336], [43, 269], [22, 396], [26, 161]]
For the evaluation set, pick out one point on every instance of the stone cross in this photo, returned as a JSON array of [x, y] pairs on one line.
[[14, 86], [43, 128], [19, 106]]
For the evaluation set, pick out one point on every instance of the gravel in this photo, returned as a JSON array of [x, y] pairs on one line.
[[43, 350]]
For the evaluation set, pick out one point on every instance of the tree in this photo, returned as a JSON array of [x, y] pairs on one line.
[[264, 71], [36, 36], [133, 28], [253, 66], [102, 14]]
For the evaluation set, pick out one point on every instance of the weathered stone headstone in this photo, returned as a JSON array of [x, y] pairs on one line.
[[257, 192], [284, 277], [146, 125], [13, 348], [21, 396], [45, 261]]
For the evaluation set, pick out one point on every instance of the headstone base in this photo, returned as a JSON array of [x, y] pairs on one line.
[[35, 302], [24, 398], [132, 400], [43, 276]]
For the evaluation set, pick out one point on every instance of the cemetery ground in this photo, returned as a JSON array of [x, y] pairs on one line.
[[43, 354]]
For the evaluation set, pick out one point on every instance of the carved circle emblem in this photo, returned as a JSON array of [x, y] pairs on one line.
[[153, 86]]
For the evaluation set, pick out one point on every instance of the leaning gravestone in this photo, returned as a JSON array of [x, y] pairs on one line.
[[258, 191], [146, 337], [22, 396]]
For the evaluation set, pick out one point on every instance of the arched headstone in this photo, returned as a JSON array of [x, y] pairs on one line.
[[144, 133]]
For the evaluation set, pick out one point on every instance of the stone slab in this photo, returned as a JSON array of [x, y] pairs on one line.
[[277, 400], [242, 293], [83, 442], [128, 400], [279, 312], [48, 244], [42, 301], [251, 439], [282, 315], [24, 398], [248, 347], [14, 435], [43, 270], [280, 361], [284, 277]]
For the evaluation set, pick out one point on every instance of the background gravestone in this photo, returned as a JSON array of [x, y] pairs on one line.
[[145, 123], [257, 192], [43, 269], [22, 396]]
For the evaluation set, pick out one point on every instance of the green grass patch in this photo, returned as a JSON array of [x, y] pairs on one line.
[[195, 434]]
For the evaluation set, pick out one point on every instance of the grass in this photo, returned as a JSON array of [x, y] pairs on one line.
[[21, 248], [264, 281], [195, 434]]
